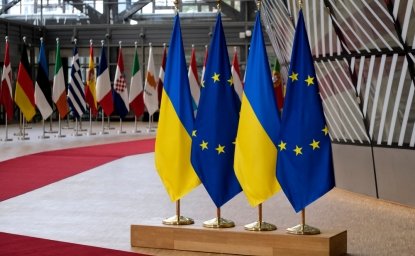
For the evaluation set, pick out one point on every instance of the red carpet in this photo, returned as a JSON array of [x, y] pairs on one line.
[[17, 245], [23, 174]]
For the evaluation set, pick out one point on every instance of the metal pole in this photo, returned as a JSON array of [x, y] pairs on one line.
[[178, 210]]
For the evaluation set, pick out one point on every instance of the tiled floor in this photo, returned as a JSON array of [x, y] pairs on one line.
[[97, 207]]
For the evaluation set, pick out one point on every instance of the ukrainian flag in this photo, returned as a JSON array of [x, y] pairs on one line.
[[173, 140], [259, 124]]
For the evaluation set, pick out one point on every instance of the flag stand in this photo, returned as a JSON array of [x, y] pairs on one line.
[[150, 121], [260, 225], [177, 219], [60, 135], [50, 126], [121, 131], [90, 132], [303, 229], [76, 128], [109, 124], [135, 125], [80, 125], [67, 123], [6, 138], [103, 120], [44, 131], [23, 134], [218, 222]]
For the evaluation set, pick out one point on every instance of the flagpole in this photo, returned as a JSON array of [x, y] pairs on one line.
[[7, 130], [260, 225], [90, 132], [103, 121], [135, 125], [44, 131], [50, 126], [60, 135], [24, 131], [178, 219]]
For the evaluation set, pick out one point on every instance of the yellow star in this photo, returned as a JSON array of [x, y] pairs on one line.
[[325, 130], [202, 83], [282, 145], [315, 144], [309, 80], [204, 145], [297, 150], [293, 76], [215, 77], [220, 149], [194, 133], [230, 81]]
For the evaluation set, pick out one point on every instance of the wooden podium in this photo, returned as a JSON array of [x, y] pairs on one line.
[[237, 240]]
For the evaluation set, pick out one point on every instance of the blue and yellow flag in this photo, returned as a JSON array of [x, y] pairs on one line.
[[216, 124], [259, 124], [173, 140], [305, 167]]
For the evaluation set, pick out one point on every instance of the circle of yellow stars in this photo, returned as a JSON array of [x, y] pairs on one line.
[[315, 144]]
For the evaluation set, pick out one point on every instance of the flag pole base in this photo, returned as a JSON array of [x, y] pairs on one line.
[[91, 133], [260, 226], [121, 132], [218, 223], [61, 136], [44, 137], [178, 221], [301, 229]]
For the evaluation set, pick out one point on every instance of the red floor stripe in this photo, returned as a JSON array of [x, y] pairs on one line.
[[17, 245], [23, 174]]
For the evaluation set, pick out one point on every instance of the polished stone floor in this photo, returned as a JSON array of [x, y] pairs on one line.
[[97, 207]]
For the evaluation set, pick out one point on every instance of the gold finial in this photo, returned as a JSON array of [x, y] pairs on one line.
[[57, 40], [206, 46], [7, 38], [41, 40], [75, 40], [300, 4], [218, 2], [164, 45], [193, 46], [135, 44], [102, 43], [258, 5], [235, 49], [90, 42], [176, 5], [24, 39], [119, 42]]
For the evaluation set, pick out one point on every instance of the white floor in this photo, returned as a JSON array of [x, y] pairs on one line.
[[97, 207]]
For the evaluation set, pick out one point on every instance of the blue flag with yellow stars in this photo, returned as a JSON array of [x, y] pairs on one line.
[[216, 123], [304, 165]]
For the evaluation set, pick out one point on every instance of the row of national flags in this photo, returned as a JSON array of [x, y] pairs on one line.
[[238, 140]]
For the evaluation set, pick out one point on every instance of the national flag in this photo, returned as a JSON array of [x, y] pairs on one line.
[[120, 87], [161, 75], [150, 86], [304, 167], [59, 88], [259, 124], [25, 91], [175, 127], [236, 75], [43, 90], [194, 81], [278, 86], [90, 88], [202, 77], [104, 90], [136, 88], [76, 96], [6, 98], [216, 124]]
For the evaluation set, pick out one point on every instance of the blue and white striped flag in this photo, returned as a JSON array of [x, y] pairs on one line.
[[76, 95]]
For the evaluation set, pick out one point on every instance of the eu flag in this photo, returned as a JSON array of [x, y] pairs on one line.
[[304, 168], [216, 124]]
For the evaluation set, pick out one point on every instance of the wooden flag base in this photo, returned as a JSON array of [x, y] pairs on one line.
[[237, 240]]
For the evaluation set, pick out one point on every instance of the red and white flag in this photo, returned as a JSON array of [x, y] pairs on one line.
[[150, 86], [120, 87], [6, 98], [161, 75], [194, 81], [236, 75]]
